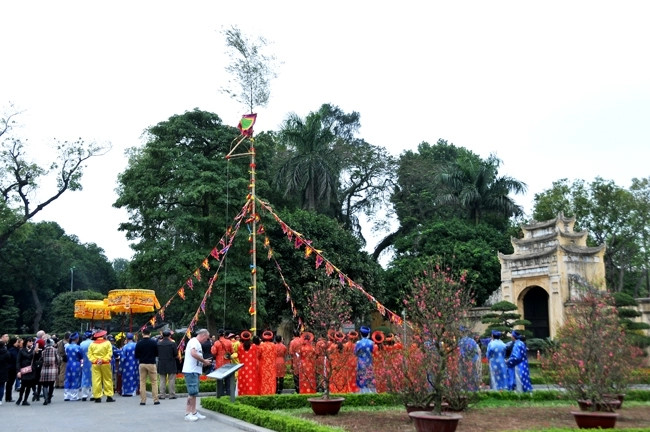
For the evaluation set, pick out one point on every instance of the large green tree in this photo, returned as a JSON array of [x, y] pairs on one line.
[[456, 243], [330, 170], [608, 212], [182, 195], [476, 187], [35, 267]]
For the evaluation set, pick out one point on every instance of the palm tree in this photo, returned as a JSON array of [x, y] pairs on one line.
[[476, 187], [311, 170]]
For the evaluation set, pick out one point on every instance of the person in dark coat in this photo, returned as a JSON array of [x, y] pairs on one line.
[[27, 380], [12, 349], [167, 368], [146, 351], [5, 359]]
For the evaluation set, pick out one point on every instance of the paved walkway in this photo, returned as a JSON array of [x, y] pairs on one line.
[[123, 414]]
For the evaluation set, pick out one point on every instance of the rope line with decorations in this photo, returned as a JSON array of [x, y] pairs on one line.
[[269, 255], [330, 269], [217, 253]]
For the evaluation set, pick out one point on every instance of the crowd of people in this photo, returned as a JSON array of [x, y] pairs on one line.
[[95, 365]]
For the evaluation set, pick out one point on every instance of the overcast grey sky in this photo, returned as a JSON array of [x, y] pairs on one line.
[[555, 89]]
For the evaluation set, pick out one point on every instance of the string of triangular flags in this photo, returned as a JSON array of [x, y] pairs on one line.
[[330, 269], [217, 253], [269, 255], [202, 305]]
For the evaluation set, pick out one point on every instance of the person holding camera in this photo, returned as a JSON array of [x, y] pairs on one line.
[[222, 350]]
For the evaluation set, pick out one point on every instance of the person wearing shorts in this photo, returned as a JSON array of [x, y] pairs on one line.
[[192, 369]]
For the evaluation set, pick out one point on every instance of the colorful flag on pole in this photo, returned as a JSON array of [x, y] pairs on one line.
[[246, 123]]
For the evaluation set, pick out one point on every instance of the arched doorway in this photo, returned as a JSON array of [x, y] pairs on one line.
[[536, 311]]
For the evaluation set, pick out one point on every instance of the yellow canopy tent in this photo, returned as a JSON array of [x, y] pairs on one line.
[[132, 301], [92, 310]]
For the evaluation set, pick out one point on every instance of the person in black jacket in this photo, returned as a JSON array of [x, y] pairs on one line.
[[12, 349], [28, 379], [167, 353], [5, 359], [146, 351]]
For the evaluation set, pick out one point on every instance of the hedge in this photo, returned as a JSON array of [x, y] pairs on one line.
[[261, 410]]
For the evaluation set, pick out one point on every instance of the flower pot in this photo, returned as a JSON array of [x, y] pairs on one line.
[[608, 405], [619, 396], [426, 421], [595, 420], [330, 406]]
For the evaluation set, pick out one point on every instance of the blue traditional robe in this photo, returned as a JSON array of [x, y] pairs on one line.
[[496, 355], [129, 367], [470, 361], [519, 359], [72, 381], [365, 374], [86, 371]]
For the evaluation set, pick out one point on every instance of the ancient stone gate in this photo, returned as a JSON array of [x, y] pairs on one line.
[[548, 265]]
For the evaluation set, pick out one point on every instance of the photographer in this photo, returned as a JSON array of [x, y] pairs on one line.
[[222, 350]]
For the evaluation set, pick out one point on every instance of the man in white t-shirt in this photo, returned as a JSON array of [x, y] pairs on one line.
[[192, 369]]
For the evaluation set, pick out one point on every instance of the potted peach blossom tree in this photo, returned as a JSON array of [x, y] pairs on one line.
[[327, 310], [436, 310], [590, 354]]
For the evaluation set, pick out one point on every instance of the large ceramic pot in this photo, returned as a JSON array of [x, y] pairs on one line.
[[330, 406], [595, 420], [608, 405], [426, 421], [619, 396]]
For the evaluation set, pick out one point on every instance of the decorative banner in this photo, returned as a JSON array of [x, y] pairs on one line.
[[329, 267], [246, 123]]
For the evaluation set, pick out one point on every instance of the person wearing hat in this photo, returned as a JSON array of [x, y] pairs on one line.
[[248, 380], [129, 367], [222, 352], [86, 370], [519, 360], [363, 351], [280, 363], [470, 361], [351, 361], [294, 353], [167, 353], [380, 361], [267, 364], [72, 380], [308, 364], [496, 355], [100, 353]]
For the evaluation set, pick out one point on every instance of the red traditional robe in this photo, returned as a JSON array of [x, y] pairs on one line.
[[307, 368], [338, 360], [350, 366], [280, 360], [267, 368], [379, 357], [248, 381]]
